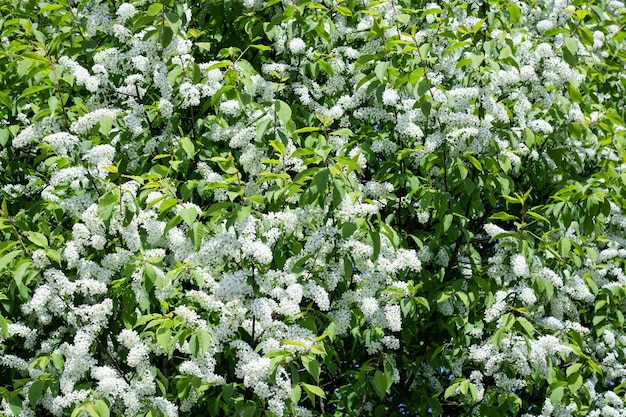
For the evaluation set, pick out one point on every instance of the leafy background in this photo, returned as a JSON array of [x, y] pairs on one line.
[[312, 208]]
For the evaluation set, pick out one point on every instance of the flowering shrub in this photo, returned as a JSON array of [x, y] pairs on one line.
[[312, 208]]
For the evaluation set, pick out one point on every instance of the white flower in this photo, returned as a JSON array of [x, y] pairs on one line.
[[297, 46], [166, 108], [89, 120], [519, 266], [540, 126], [125, 11], [81, 74], [390, 97], [100, 156], [527, 296], [189, 95], [231, 107], [369, 306]]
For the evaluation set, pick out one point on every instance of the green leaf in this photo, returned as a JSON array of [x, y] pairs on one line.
[[92, 410], [514, 13], [537, 216], [321, 180], [363, 59], [34, 89], [312, 366], [298, 343], [342, 132], [455, 46], [57, 361], [557, 394], [102, 408], [75, 413], [37, 238], [167, 35], [278, 146], [189, 215], [512, 200], [226, 164], [283, 111], [566, 246], [6, 100], [312, 390], [154, 9], [216, 97], [344, 11], [35, 57], [447, 222], [307, 129], [197, 231], [296, 393], [463, 63], [167, 204], [450, 390], [376, 243], [106, 205], [173, 222], [572, 369], [318, 349], [4, 326], [473, 391], [204, 340], [475, 162], [503, 216], [164, 337], [34, 393], [416, 75], [261, 47], [326, 67], [221, 64], [379, 382], [381, 71], [188, 147], [526, 325], [6, 259], [594, 366]]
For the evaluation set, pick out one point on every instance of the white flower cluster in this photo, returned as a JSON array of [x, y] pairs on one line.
[[82, 76], [249, 266]]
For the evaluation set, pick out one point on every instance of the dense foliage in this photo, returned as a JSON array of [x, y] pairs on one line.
[[305, 208]]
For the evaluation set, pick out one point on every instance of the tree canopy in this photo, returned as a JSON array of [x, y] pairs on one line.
[[306, 208]]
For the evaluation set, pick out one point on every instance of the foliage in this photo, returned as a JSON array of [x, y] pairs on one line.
[[312, 208]]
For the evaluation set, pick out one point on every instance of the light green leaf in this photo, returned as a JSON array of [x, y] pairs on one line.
[[37, 238], [154, 9], [189, 215], [514, 13], [283, 111], [197, 230], [204, 340], [318, 349], [6, 259], [312, 366], [501, 215], [102, 408], [261, 47], [342, 132], [188, 147], [313, 389]]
